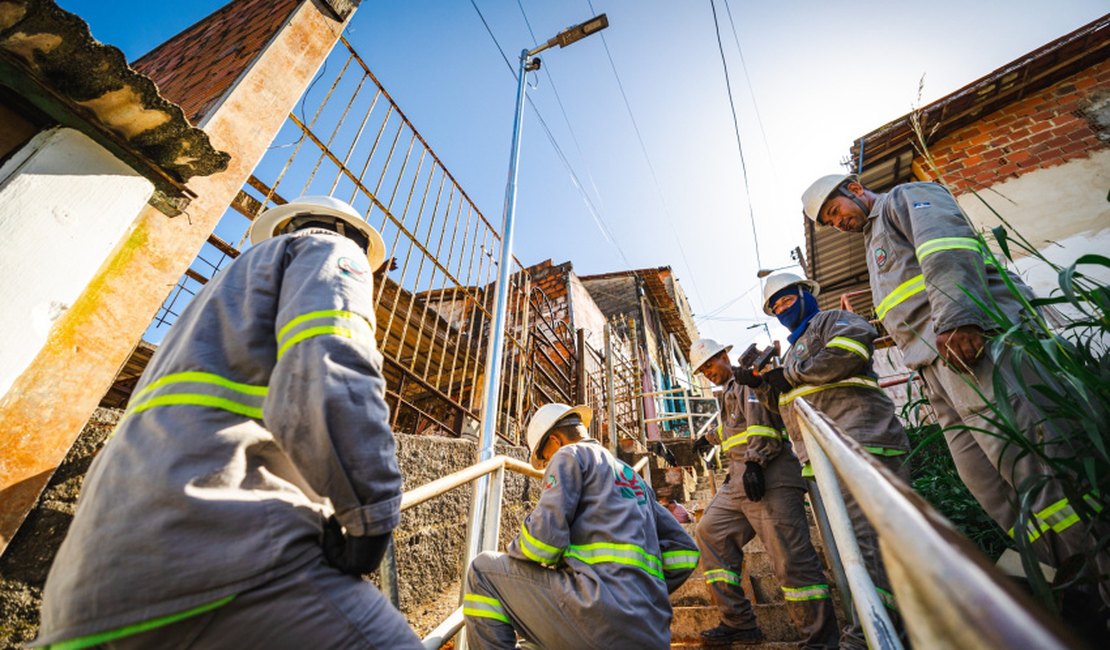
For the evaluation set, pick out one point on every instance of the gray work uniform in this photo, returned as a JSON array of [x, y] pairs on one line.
[[751, 433], [591, 568], [927, 272], [830, 366], [262, 412]]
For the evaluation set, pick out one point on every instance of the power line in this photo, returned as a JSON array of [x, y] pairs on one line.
[[751, 90], [647, 158], [736, 127], [605, 231]]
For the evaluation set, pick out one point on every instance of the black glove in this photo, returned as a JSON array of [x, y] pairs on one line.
[[747, 377], [702, 445], [776, 377], [356, 555], [754, 485]]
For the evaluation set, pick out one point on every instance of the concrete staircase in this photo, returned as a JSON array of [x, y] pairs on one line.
[[694, 610]]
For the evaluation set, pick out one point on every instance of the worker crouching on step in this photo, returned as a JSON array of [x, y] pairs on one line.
[[829, 364], [594, 562], [253, 478], [762, 496]]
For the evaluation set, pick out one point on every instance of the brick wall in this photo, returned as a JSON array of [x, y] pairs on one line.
[[196, 67], [1043, 130]]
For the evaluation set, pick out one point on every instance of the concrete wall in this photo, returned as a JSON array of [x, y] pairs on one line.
[[65, 202], [585, 313], [429, 541]]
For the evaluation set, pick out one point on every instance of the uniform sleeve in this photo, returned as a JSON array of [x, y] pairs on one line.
[[841, 349], [326, 401], [764, 431], [948, 251], [680, 553], [545, 532]]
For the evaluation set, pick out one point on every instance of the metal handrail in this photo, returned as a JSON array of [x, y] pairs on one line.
[[949, 594], [454, 622]]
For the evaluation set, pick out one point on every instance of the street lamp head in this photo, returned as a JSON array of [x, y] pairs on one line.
[[580, 31], [762, 273]]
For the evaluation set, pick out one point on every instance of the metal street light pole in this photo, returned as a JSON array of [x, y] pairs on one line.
[[479, 536]]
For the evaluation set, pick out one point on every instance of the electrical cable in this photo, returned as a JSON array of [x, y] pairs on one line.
[[736, 126]]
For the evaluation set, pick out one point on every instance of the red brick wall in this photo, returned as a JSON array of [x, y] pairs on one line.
[[1042, 130], [196, 67]]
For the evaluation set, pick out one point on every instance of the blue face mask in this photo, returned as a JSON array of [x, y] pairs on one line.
[[796, 317]]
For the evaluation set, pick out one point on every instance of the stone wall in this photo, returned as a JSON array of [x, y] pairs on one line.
[[429, 543]]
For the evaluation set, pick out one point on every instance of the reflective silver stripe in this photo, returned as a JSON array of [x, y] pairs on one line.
[[537, 550], [1059, 517], [851, 345], [812, 592], [334, 322], [484, 607], [684, 559], [754, 430], [901, 293], [947, 244], [808, 389], [722, 575], [196, 388], [628, 554]]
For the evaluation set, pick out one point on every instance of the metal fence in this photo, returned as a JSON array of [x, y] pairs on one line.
[[348, 138]]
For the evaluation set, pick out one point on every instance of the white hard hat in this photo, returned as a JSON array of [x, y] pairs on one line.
[[703, 350], [544, 419], [780, 281], [273, 220], [819, 192]]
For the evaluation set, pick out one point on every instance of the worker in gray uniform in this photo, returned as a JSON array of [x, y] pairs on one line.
[[252, 479], [829, 364], [929, 275], [594, 562], [762, 496]]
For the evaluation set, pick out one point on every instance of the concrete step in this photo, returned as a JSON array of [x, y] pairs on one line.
[[760, 589], [766, 645], [773, 620]]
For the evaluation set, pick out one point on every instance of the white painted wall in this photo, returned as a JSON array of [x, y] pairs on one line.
[[1062, 210], [64, 204]]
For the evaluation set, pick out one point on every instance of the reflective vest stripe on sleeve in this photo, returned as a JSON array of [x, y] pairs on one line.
[[809, 389], [851, 345], [948, 244], [1059, 517], [684, 559], [901, 293], [722, 575], [484, 607], [335, 322], [754, 430], [536, 550], [195, 388], [628, 554]]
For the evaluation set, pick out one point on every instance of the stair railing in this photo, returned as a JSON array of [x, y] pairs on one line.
[[497, 465], [949, 594]]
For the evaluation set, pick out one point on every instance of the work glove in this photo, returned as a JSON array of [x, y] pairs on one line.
[[754, 485], [747, 377], [776, 378], [702, 445], [356, 555]]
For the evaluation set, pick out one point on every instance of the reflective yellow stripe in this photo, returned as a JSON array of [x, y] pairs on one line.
[[680, 560], [947, 244], [336, 322], [883, 451], [484, 607], [101, 638], [201, 378], [194, 399], [628, 554], [206, 389], [1058, 517], [911, 287], [754, 430], [536, 550], [812, 592], [808, 389], [722, 575], [850, 345]]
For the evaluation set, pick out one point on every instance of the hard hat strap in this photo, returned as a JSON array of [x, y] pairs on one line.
[[337, 226], [843, 189]]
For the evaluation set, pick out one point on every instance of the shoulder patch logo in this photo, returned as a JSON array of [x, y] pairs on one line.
[[921, 204], [353, 269], [629, 484], [880, 256], [550, 481]]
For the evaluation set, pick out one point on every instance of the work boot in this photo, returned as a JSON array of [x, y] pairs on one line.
[[724, 635]]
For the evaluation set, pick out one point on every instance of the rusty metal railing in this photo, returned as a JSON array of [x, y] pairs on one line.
[[948, 593], [433, 301]]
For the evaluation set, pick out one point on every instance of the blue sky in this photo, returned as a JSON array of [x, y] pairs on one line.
[[819, 75]]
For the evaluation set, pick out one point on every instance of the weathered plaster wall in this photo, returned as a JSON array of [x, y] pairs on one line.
[[429, 541], [65, 202]]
